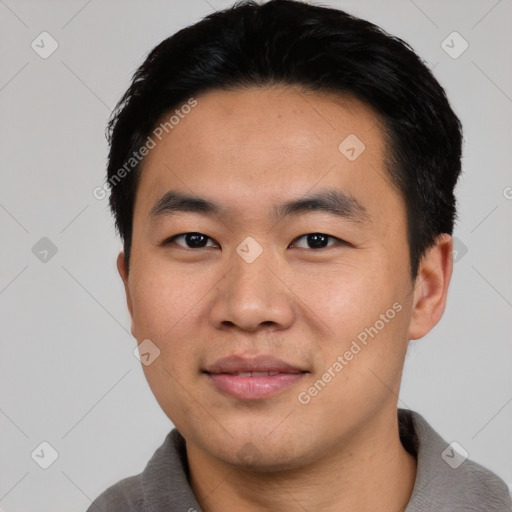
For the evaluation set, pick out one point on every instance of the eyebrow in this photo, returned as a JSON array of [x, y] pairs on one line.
[[331, 201]]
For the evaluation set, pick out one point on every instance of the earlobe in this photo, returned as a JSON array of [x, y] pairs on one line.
[[431, 287], [123, 272]]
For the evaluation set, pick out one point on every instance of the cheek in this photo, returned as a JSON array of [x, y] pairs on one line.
[[348, 297], [165, 311], [163, 299], [168, 306], [366, 310]]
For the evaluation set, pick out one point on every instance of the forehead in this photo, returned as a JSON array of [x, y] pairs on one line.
[[264, 144], [238, 121]]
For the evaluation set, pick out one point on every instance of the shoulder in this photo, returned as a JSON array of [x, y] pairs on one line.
[[447, 479], [126, 496], [164, 472], [483, 487]]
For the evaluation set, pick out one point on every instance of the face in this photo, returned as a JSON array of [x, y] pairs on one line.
[[279, 292]]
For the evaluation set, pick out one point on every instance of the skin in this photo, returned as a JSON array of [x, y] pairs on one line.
[[250, 150]]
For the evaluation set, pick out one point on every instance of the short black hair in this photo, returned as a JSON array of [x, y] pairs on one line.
[[320, 49]]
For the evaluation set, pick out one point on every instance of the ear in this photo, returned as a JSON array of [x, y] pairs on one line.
[[431, 287], [123, 272]]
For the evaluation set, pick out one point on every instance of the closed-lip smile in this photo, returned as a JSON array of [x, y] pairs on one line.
[[252, 378]]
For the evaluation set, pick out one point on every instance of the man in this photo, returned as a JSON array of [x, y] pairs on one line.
[[282, 179]]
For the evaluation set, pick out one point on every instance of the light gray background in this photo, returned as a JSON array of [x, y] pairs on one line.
[[68, 373]]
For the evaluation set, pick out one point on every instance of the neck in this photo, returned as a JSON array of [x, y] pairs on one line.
[[371, 472]]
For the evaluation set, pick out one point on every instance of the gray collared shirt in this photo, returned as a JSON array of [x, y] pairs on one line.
[[445, 482]]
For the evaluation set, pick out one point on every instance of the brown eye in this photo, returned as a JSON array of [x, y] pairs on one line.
[[191, 240], [315, 241]]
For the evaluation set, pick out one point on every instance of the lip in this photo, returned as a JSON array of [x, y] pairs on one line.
[[262, 376], [261, 363]]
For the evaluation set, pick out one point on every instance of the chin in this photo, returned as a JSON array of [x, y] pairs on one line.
[[259, 451], [263, 459]]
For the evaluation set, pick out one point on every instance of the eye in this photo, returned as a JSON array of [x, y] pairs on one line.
[[190, 240], [315, 241]]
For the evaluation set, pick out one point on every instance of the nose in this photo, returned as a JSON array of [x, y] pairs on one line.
[[253, 295]]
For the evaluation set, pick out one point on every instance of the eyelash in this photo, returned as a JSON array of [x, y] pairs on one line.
[[172, 239]]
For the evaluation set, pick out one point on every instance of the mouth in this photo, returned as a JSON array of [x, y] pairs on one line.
[[253, 374], [253, 378]]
